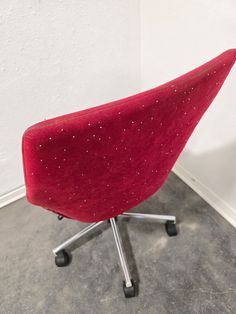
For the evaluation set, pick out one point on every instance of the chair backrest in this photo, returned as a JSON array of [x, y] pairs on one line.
[[97, 163]]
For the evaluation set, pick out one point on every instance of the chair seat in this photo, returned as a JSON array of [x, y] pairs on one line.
[[95, 164]]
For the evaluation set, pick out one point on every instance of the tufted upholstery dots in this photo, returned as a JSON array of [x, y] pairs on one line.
[[96, 163]]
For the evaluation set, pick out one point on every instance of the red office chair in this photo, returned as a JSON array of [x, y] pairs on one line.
[[96, 164]]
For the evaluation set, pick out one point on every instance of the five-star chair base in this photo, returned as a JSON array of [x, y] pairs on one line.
[[62, 257]]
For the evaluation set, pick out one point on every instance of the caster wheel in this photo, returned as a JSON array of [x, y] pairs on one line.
[[62, 259], [129, 291], [171, 228]]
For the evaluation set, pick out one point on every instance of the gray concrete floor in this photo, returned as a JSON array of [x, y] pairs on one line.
[[194, 272]]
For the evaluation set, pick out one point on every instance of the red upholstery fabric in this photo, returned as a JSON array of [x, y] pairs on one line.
[[97, 163]]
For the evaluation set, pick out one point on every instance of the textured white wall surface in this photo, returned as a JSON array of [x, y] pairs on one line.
[[58, 57], [176, 37]]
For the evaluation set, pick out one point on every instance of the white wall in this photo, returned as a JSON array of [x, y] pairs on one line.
[[58, 57], [177, 36]]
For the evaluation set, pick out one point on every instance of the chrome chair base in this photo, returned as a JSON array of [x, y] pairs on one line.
[[62, 258]]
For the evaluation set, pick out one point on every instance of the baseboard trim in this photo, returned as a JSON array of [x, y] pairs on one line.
[[12, 196], [222, 207]]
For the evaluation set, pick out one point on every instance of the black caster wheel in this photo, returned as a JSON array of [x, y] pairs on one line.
[[129, 291], [171, 228], [62, 259]]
